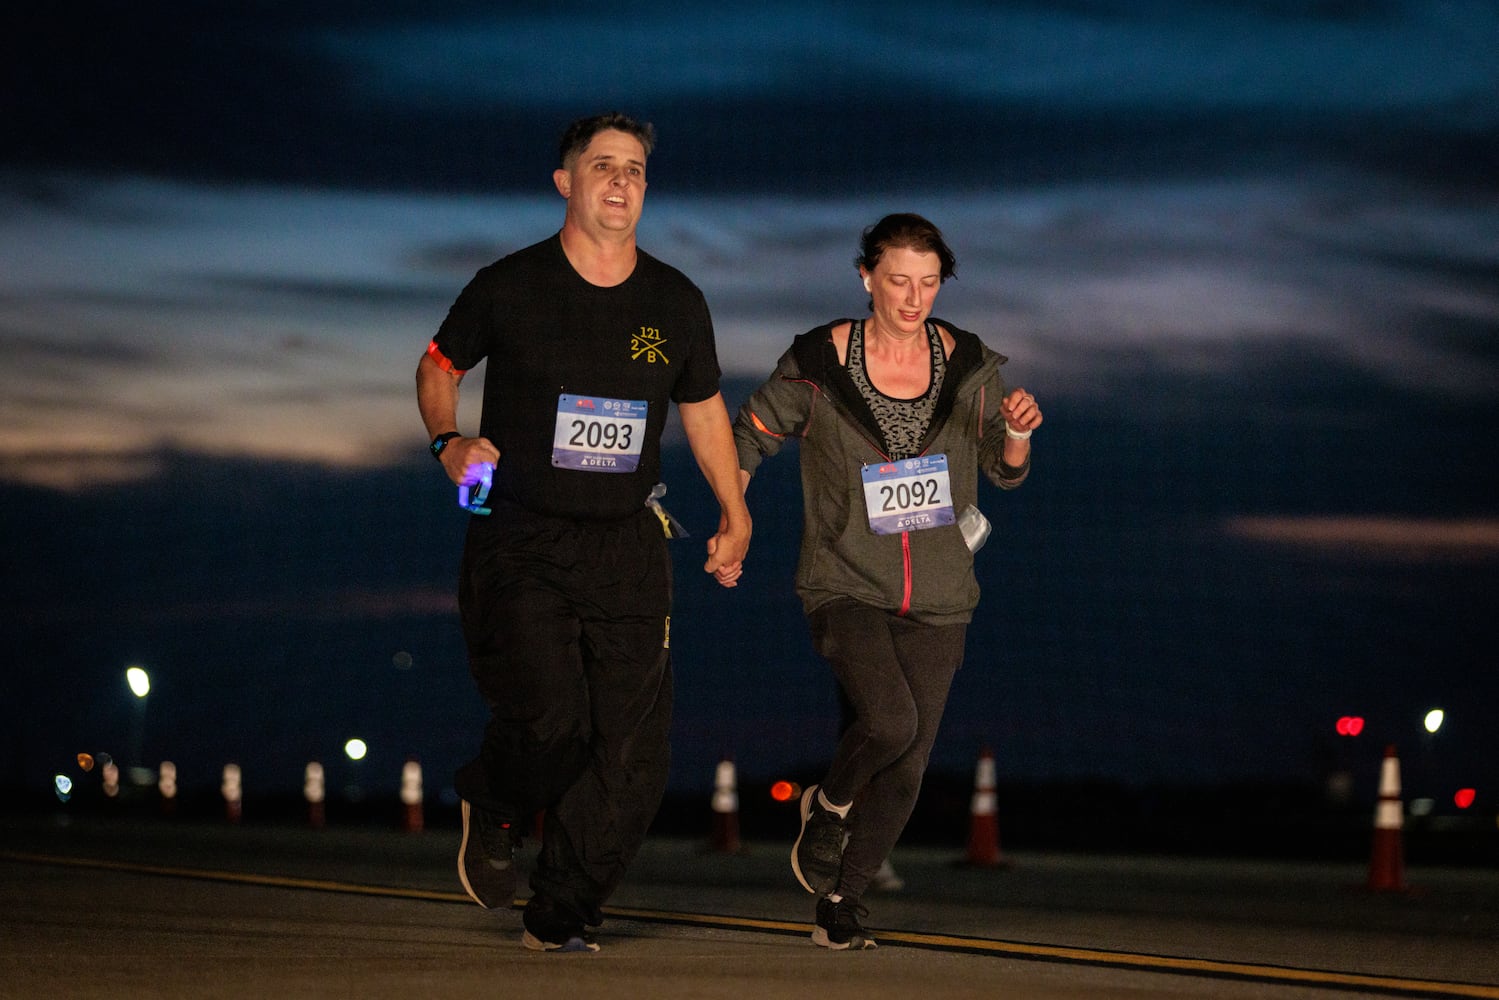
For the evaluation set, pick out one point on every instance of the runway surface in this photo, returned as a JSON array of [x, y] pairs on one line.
[[120, 907]]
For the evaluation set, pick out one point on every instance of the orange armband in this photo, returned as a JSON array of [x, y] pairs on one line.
[[435, 353]]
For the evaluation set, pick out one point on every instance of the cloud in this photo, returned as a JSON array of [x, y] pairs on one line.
[[1179, 55], [286, 323], [771, 97], [1383, 539], [304, 606]]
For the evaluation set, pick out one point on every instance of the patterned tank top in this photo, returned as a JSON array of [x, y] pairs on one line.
[[903, 422]]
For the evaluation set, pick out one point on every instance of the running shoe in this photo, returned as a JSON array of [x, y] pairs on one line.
[[550, 928], [817, 855], [838, 927], [887, 879], [486, 857]]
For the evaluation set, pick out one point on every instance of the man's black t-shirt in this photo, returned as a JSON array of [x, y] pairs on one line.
[[579, 376]]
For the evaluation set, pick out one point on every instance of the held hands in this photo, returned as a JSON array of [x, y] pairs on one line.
[[1021, 414], [726, 551], [464, 458]]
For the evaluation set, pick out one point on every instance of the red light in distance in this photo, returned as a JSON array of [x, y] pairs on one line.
[[784, 791], [1350, 725], [1464, 797]]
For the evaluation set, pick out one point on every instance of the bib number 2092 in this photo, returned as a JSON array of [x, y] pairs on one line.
[[909, 495]]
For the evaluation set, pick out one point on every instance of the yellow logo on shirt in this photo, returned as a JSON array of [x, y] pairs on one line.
[[647, 344]]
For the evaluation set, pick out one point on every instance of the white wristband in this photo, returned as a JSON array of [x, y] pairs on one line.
[[1015, 435]]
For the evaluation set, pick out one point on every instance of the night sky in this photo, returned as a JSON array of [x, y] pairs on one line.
[[1246, 254]]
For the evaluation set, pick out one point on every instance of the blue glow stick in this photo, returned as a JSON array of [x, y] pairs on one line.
[[471, 497]]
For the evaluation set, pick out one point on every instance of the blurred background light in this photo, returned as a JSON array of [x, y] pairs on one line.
[[139, 681]]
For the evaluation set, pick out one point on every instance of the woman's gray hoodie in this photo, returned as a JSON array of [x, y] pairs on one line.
[[926, 574]]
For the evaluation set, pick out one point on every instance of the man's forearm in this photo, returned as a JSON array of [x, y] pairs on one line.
[[711, 438]]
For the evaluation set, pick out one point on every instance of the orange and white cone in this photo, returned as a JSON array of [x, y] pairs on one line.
[[725, 837], [166, 785], [411, 796], [232, 788], [314, 790], [983, 818], [1387, 859]]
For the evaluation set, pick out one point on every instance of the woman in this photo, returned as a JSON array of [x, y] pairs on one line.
[[897, 414]]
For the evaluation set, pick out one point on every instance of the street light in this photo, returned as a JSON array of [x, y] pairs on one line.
[[139, 681], [140, 686], [356, 750]]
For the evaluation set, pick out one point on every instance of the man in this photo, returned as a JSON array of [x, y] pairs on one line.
[[565, 586]]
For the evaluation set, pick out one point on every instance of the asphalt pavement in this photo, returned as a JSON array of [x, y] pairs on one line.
[[120, 907]]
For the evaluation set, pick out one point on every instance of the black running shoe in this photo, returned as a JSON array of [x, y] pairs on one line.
[[551, 928], [486, 857], [817, 855], [838, 926]]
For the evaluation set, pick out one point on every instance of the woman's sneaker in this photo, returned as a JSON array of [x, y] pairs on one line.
[[838, 926], [817, 855], [550, 928]]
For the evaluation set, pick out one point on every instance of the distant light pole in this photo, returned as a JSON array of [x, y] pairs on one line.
[[356, 750], [140, 686], [1434, 720]]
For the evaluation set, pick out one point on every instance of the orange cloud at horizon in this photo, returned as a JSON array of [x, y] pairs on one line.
[[1406, 539]]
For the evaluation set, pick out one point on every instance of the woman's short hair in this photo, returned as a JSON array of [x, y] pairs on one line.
[[908, 231]]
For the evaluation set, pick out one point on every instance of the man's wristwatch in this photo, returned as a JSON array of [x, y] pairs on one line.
[[440, 442]]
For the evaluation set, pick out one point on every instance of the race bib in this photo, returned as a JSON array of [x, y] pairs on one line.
[[594, 434], [908, 495]]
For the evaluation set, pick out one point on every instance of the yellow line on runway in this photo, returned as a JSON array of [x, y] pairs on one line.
[[1091, 956], [1199, 966], [242, 878], [940, 942]]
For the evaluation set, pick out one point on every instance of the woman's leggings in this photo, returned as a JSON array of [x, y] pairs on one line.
[[896, 674]]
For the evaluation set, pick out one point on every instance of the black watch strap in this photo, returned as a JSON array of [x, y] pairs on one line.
[[440, 442]]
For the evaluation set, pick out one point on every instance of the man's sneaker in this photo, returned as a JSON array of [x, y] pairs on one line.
[[486, 857], [817, 855], [838, 926], [550, 928]]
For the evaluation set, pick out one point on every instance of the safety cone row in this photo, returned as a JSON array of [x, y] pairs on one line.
[[1387, 858], [983, 818], [725, 836]]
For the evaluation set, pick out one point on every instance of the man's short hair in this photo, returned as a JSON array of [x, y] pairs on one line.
[[581, 132]]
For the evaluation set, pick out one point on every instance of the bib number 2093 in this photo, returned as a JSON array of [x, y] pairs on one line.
[[598, 434]]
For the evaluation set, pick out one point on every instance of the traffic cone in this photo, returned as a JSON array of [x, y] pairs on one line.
[[166, 785], [109, 775], [314, 790], [983, 821], [411, 796], [725, 837], [1387, 860], [232, 788]]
